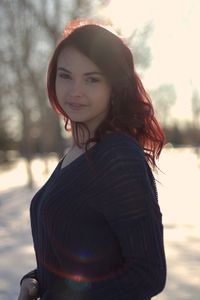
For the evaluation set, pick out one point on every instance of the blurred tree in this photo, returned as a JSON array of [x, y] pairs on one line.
[[174, 135], [138, 41], [196, 118], [29, 32], [196, 108], [5, 140], [163, 98]]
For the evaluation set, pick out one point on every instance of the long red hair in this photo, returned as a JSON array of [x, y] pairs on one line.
[[131, 110]]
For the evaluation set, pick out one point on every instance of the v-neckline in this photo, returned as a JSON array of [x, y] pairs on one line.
[[79, 157], [69, 164], [92, 148]]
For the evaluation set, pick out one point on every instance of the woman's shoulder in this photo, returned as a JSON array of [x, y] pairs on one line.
[[119, 144], [121, 140]]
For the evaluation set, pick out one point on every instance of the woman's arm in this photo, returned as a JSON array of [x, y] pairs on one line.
[[29, 286], [32, 274]]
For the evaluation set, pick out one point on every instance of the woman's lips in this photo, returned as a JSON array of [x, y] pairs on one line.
[[75, 106]]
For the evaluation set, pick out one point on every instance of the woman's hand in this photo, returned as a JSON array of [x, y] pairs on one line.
[[29, 289]]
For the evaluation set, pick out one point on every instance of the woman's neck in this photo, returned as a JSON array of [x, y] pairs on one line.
[[80, 136]]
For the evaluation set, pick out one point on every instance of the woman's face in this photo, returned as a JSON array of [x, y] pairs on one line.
[[82, 90]]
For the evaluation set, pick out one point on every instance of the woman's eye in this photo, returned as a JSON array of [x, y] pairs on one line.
[[92, 79], [64, 76]]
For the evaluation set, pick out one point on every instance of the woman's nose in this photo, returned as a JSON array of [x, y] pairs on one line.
[[76, 88]]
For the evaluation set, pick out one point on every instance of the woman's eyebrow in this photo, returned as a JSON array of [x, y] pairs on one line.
[[63, 69], [85, 74], [93, 73]]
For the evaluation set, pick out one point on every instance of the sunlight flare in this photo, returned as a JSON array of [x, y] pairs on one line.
[[126, 16]]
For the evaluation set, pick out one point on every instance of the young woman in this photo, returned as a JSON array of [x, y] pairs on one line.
[[96, 223]]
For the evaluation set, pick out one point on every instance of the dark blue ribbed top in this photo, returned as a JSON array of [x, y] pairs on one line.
[[97, 227]]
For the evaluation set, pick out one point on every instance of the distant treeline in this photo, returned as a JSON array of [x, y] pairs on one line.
[[179, 135]]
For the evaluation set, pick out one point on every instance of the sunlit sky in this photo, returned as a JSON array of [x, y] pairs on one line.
[[174, 42]]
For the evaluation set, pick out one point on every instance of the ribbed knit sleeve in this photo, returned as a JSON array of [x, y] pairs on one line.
[[125, 194]]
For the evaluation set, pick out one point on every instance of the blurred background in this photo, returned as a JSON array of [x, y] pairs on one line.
[[165, 41]]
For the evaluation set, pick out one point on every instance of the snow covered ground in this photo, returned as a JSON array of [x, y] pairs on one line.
[[179, 201]]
